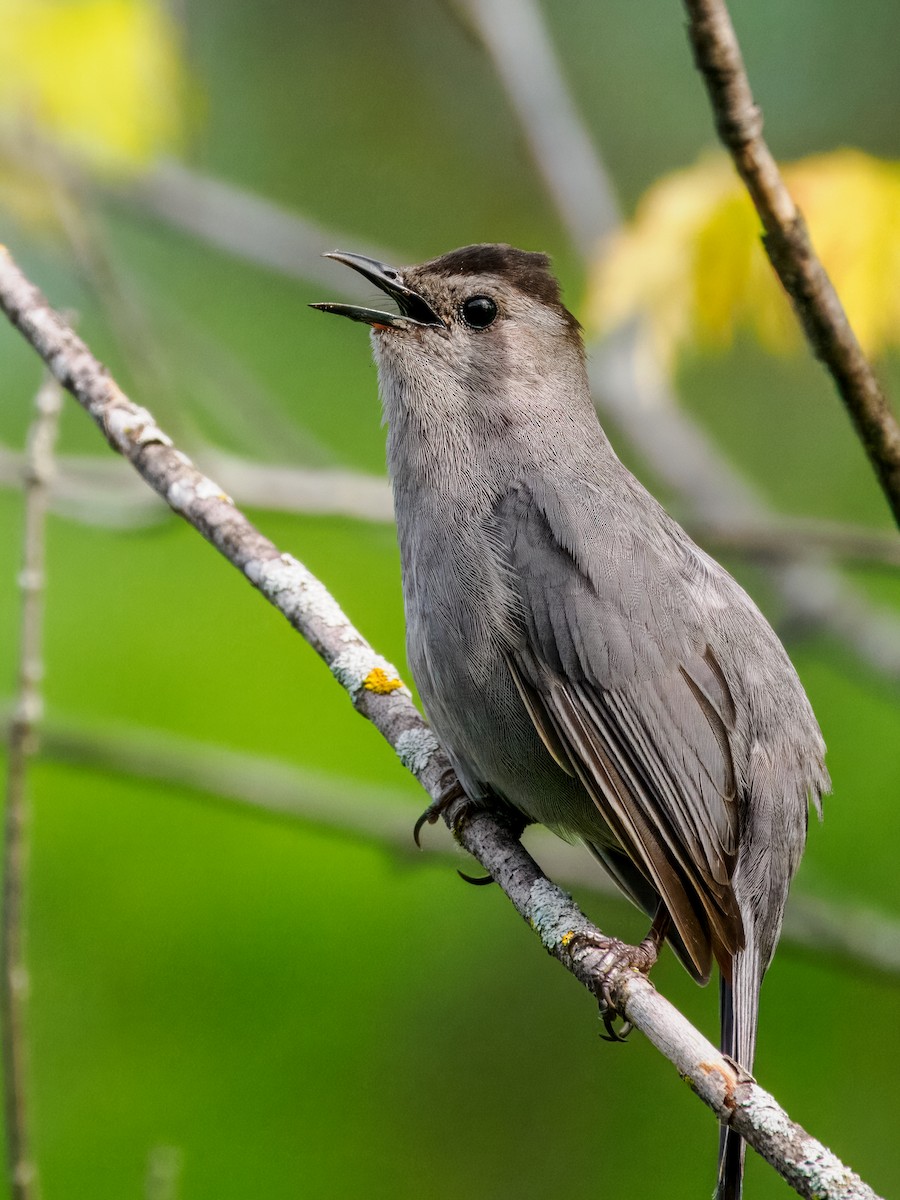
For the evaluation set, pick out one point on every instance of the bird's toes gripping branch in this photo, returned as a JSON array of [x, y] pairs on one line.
[[452, 794], [453, 804], [617, 957]]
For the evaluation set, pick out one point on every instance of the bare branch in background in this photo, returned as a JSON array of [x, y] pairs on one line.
[[131, 322], [22, 745], [95, 491], [739, 123], [163, 1177], [378, 694], [322, 492], [242, 224], [362, 811], [513, 34], [797, 538], [860, 936], [103, 491]]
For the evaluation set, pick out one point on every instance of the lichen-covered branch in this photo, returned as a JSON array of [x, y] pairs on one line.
[[378, 693], [739, 123], [373, 684], [808, 1166]]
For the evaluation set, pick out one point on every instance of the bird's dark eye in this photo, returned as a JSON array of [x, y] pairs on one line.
[[478, 311]]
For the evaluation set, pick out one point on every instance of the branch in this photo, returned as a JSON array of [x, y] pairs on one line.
[[378, 694], [22, 745], [795, 539], [243, 224], [739, 122]]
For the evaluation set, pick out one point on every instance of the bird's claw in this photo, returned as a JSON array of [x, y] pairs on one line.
[[475, 880], [618, 956], [609, 1014], [437, 808]]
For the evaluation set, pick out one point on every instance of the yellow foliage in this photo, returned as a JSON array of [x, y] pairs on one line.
[[102, 78], [692, 266]]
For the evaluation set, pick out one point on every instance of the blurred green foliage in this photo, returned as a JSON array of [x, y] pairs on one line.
[[294, 1014]]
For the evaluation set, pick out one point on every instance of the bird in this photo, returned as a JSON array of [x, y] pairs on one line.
[[581, 660]]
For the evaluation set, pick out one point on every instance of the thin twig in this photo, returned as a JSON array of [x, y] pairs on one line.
[[860, 936], [739, 122], [378, 694], [164, 1171], [243, 224], [22, 745], [793, 539]]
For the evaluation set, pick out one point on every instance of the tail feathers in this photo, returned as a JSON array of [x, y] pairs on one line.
[[738, 1004], [732, 1149]]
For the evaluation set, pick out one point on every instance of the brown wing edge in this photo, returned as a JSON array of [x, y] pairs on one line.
[[708, 925]]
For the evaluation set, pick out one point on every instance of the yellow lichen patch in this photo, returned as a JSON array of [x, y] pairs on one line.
[[691, 268], [380, 682], [567, 938]]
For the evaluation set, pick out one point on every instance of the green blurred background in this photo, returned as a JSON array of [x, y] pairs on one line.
[[229, 1004]]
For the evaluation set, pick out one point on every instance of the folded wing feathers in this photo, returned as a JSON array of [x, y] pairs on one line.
[[629, 823], [645, 728]]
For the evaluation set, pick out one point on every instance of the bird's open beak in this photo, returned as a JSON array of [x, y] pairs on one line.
[[414, 311]]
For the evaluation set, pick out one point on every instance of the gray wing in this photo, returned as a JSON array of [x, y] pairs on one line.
[[627, 696]]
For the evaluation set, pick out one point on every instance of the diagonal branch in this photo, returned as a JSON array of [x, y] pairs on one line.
[[378, 694], [739, 123]]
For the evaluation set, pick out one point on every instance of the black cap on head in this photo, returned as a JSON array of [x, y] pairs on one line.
[[527, 270]]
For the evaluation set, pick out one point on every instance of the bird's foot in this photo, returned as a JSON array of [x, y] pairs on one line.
[[454, 798], [617, 957], [436, 809]]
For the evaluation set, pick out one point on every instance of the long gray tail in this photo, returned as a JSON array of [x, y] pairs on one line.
[[738, 1005]]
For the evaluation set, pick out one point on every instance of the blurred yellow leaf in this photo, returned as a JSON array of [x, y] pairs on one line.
[[691, 264], [102, 78]]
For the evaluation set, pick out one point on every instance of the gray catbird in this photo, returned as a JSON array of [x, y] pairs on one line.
[[578, 656]]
